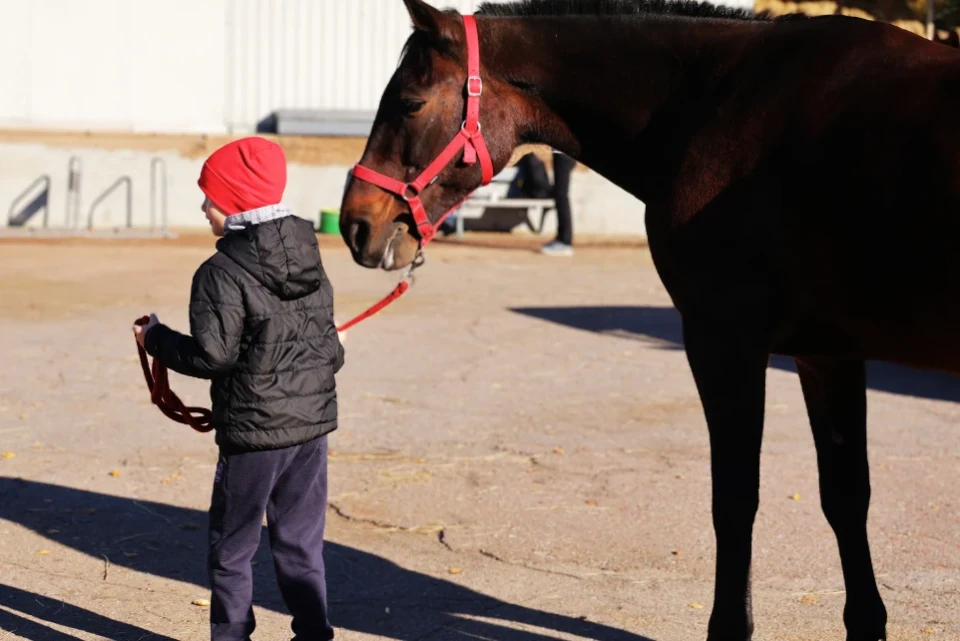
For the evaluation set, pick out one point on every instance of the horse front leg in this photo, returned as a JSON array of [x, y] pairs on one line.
[[729, 367], [836, 397]]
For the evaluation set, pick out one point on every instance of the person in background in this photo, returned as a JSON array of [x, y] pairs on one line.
[[532, 182]]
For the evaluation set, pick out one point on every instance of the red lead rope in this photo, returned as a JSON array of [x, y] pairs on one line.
[[164, 398], [469, 140], [397, 292], [198, 418]]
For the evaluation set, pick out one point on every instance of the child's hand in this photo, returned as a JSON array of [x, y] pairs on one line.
[[140, 331], [340, 335]]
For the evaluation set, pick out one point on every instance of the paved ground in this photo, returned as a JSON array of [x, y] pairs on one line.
[[522, 457]]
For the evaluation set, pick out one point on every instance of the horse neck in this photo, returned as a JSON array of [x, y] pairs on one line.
[[597, 85]]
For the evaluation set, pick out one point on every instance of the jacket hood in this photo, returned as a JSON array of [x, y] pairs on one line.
[[280, 254]]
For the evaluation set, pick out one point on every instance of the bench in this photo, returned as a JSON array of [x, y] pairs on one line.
[[494, 195]]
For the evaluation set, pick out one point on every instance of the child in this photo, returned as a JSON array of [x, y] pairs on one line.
[[262, 331]]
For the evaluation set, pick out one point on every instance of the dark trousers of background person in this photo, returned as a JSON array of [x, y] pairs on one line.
[[562, 168], [534, 183], [290, 485]]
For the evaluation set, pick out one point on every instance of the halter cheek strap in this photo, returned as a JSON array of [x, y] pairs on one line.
[[469, 140]]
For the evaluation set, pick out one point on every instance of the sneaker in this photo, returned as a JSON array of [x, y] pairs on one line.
[[556, 248]]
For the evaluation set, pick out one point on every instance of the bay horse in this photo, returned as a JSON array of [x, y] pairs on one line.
[[802, 186]]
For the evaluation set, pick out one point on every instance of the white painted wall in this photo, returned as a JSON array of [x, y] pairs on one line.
[[113, 64], [312, 54], [194, 66], [736, 4], [599, 207]]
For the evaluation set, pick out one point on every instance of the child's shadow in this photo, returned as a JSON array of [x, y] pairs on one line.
[[15, 602], [368, 593]]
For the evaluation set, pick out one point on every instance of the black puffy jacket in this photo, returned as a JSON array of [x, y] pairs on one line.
[[261, 319]]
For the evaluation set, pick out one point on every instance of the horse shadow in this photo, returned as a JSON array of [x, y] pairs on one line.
[[369, 594], [662, 327]]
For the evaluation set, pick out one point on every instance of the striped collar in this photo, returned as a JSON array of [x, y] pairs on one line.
[[245, 219]]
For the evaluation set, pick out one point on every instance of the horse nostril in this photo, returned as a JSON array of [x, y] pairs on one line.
[[358, 235]]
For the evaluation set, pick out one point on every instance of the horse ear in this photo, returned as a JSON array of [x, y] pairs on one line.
[[430, 20]]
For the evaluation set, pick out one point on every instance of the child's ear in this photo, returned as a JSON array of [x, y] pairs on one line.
[[438, 25]]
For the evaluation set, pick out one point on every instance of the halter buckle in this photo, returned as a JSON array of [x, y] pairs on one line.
[[478, 82], [463, 128]]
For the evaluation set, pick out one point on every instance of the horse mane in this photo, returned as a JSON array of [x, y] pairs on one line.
[[418, 43], [614, 8]]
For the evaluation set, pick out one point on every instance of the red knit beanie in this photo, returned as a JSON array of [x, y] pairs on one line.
[[245, 174]]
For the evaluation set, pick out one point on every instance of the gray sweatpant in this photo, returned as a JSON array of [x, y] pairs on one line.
[[290, 485]]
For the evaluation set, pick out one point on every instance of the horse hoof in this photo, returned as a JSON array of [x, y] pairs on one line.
[[728, 626], [729, 636]]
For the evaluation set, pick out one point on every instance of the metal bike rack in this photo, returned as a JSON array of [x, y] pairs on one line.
[[122, 180], [36, 197], [74, 175], [155, 164], [40, 201]]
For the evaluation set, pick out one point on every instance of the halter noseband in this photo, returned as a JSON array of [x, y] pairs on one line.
[[469, 139]]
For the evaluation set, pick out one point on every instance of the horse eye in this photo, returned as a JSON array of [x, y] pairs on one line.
[[411, 106]]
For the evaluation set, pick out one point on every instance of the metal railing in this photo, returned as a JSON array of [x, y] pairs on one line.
[[158, 163], [74, 175], [122, 180], [22, 210], [40, 201]]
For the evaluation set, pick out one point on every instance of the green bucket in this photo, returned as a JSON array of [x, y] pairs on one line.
[[329, 221]]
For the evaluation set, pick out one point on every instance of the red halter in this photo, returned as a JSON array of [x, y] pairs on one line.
[[469, 139]]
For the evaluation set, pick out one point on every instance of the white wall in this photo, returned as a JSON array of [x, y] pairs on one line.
[[312, 54], [195, 66], [112, 64], [599, 207], [736, 4]]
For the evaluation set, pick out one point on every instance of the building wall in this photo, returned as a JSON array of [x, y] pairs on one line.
[[310, 54], [112, 64], [599, 207], [211, 66], [195, 66]]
